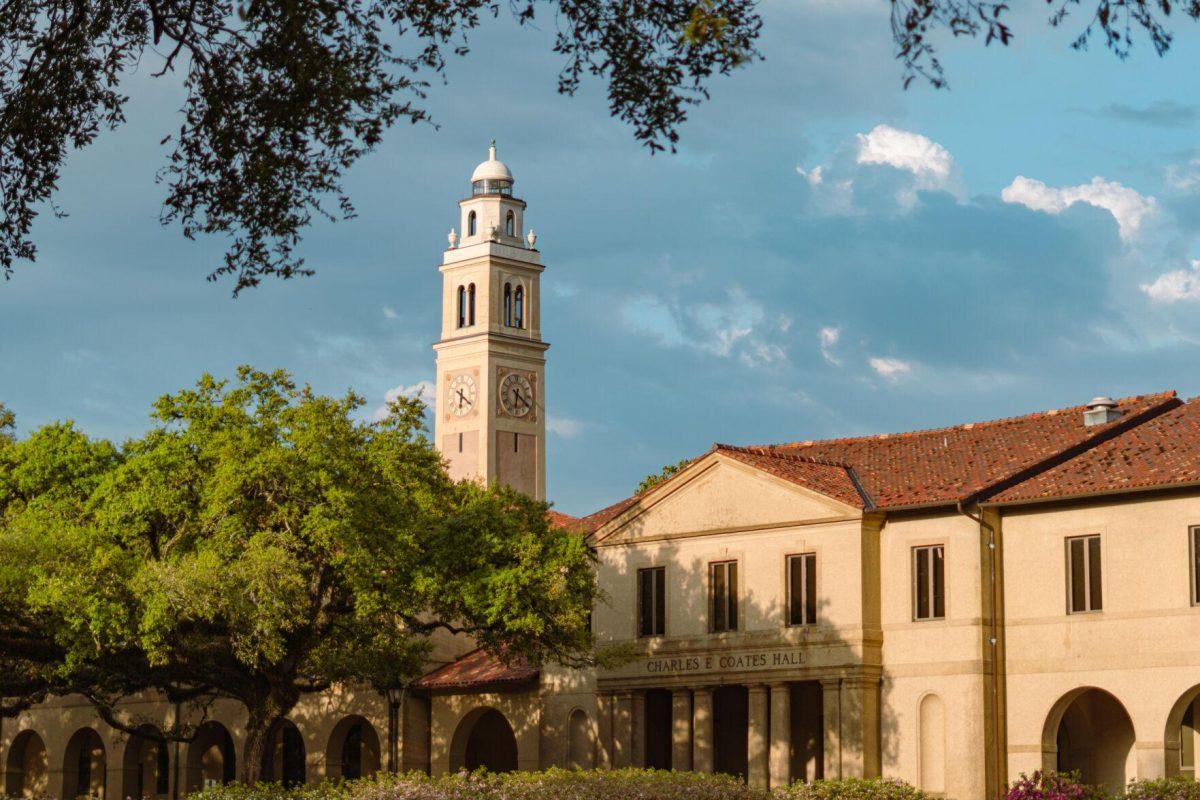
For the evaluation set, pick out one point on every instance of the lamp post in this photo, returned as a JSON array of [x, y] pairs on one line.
[[395, 696]]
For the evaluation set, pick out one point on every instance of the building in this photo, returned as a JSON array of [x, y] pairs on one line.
[[950, 607]]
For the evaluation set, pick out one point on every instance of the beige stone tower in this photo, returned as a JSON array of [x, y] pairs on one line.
[[491, 412]]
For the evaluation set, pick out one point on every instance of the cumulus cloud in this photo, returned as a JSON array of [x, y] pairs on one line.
[[423, 390], [737, 325], [1179, 284], [893, 369], [564, 427], [930, 163], [829, 337], [389, 312], [1128, 207]]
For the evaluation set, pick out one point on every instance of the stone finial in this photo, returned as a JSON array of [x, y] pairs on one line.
[[531, 237], [452, 238]]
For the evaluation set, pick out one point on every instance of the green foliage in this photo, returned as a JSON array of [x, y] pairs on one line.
[[853, 789], [650, 481], [261, 542], [1177, 788], [556, 784], [281, 98], [1117, 22]]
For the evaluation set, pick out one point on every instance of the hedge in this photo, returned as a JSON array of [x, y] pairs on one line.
[[558, 784]]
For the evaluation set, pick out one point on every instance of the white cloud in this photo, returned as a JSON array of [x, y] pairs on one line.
[[829, 338], [389, 312], [1184, 177], [564, 427], [423, 390], [1179, 284], [892, 369], [1129, 208], [931, 164]]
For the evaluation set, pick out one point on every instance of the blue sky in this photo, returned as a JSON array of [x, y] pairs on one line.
[[826, 255]]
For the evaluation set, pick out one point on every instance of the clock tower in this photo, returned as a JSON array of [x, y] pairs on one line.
[[491, 411]]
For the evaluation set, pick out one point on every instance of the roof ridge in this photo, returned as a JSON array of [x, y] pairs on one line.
[[771, 451], [965, 426], [1102, 434]]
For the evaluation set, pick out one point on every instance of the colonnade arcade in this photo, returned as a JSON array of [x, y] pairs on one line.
[[770, 733], [143, 765]]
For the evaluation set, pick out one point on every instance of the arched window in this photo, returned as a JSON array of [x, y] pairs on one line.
[[462, 306], [519, 308], [471, 304], [508, 305], [471, 224], [509, 222]]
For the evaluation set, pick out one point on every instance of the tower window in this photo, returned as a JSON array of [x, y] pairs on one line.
[[460, 442], [516, 441], [509, 223], [471, 224], [519, 308], [471, 304], [508, 305], [462, 307]]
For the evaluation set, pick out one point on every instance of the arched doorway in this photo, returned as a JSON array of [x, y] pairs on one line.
[[27, 772], [84, 765], [283, 756], [580, 748], [210, 757], [1089, 731], [1182, 737], [731, 725], [146, 767], [353, 750], [484, 739]]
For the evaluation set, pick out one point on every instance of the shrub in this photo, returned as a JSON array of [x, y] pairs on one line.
[[1053, 786], [852, 789], [1178, 788]]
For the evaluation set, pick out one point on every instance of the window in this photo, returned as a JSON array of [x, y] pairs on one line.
[[722, 591], [462, 307], [1083, 568], [471, 304], [519, 308], [471, 224], [802, 589], [929, 582], [508, 317], [652, 606], [1195, 537], [509, 223]]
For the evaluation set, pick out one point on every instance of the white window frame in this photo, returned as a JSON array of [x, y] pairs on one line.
[[809, 614], [655, 600], [916, 554], [1087, 574]]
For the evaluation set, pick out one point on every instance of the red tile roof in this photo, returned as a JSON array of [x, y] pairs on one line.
[[944, 465], [933, 467], [478, 669], [829, 478], [1161, 453], [562, 520]]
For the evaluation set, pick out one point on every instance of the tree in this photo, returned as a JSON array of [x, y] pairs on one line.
[[650, 481], [1118, 22], [261, 543], [283, 97]]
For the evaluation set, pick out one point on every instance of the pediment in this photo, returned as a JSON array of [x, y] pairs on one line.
[[720, 494]]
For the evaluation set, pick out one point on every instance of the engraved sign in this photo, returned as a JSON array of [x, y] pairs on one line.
[[766, 659]]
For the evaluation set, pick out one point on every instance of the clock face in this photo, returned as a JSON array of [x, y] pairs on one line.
[[460, 398], [516, 395]]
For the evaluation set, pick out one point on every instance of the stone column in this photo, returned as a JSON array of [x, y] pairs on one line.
[[604, 754], [860, 727], [623, 730], [681, 729], [1151, 762], [638, 758], [702, 729], [831, 698], [756, 738], [781, 735]]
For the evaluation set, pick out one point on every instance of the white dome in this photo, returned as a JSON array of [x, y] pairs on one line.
[[491, 170]]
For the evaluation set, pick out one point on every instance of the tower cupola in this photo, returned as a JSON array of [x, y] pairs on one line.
[[492, 176]]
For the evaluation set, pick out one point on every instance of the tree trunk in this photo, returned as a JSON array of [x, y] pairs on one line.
[[258, 725]]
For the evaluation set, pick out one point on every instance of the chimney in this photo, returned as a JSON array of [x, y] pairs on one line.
[[1100, 411]]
